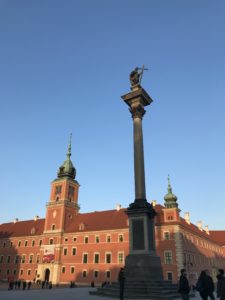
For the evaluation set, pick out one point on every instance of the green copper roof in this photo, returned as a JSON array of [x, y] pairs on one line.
[[67, 169], [170, 198]]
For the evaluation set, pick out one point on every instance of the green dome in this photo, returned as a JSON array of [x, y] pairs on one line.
[[67, 169], [170, 198]]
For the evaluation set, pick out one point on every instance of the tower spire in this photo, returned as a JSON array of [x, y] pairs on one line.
[[169, 185], [170, 198], [69, 146], [67, 169]]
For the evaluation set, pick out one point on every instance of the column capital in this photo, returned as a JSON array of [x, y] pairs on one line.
[[137, 110]]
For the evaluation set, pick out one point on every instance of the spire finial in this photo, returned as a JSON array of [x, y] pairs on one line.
[[69, 147], [169, 185]]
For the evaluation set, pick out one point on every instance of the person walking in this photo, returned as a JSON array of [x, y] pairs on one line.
[[121, 279], [205, 285], [183, 285], [24, 285], [220, 284], [29, 285]]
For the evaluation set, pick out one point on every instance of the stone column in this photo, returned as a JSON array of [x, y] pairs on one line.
[[142, 263]]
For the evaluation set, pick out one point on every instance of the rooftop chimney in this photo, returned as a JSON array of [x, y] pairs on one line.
[[153, 203], [207, 229], [118, 207], [15, 220], [199, 224], [187, 217], [36, 218]]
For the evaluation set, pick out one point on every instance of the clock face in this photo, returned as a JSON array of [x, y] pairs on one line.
[[54, 214]]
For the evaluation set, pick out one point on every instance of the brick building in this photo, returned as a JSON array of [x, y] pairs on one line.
[[71, 246]]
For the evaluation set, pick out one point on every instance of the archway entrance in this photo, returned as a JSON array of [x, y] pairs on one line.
[[47, 274]]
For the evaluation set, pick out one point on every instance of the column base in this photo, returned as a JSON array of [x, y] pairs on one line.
[[143, 267]]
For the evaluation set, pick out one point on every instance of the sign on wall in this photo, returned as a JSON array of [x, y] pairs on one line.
[[49, 254]]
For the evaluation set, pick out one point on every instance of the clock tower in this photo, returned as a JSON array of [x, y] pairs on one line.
[[62, 207]]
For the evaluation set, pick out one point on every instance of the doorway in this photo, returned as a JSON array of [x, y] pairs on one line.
[[47, 275]]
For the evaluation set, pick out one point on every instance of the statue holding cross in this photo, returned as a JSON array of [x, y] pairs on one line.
[[136, 76]]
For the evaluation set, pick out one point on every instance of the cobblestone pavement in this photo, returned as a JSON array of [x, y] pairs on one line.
[[53, 294]]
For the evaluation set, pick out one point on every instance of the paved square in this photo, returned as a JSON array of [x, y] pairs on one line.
[[54, 294]]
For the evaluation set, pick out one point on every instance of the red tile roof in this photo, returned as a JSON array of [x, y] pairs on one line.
[[22, 228], [218, 236], [99, 220]]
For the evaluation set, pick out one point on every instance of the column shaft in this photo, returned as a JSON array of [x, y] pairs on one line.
[[139, 170]]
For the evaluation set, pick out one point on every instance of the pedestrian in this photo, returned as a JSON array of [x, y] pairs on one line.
[[183, 285], [24, 285], [220, 284], [50, 285], [18, 284], [29, 285], [42, 284], [205, 285], [15, 284], [121, 279]]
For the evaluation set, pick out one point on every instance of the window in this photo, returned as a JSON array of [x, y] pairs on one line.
[[58, 189], [120, 258], [84, 273], [86, 239], [21, 272], [7, 272], [8, 259], [11, 244], [19, 243], [166, 235], [108, 238], [96, 258], [53, 226], [31, 259], [168, 257], [170, 276], [23, 258], [108, 258], [97, 239], [72, 270], [25, 244], [38, 259], [96, 273], [65, 251], [107, 274], [75, 239], [66, 239], [51, 241], [4, 245], [40, 242], [63, 270], [28, 272], [1, 258], [17, 258], [74, 251], [120, 237], [33, 243], [170, 218], [14, 272], [85, 258], [71, 191]]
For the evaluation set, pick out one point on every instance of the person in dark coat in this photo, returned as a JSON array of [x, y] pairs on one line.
[[29, 285], [220, 284], [121, 279], [18, 284], [205, 285], [24, 285], [183, 285]]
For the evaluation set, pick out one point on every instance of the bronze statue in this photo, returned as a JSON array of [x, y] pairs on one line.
[[136, 76]]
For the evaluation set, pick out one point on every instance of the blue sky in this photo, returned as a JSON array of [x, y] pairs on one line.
[[63, 68]]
